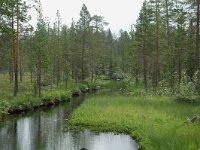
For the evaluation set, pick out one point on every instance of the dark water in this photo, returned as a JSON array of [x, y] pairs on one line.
[[44, 130]]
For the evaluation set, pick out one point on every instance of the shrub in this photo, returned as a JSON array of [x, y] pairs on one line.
[[197, 82], [3, 107], [189, 92]]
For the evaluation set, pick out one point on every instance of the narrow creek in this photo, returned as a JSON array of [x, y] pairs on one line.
[[44, 130]]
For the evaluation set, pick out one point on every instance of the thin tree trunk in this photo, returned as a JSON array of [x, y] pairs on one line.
[[20, 68], [123, 62], [31, 76], [145, 62], [169, 43], [136, 75], [39, 73], [92, 73], [157, 71], [66, 77], [58, 72], [198, 35], [167, 22], [13, 50], [73, 66], [82, 57], [179, 68], [16, 55], [11, 71], [51, 82]]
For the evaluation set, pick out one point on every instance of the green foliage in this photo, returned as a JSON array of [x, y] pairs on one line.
[[27, 101], [157, 53], [114, 85], [157, 122], [189, 92], [24, 102], [192, 147], [3, 107], [197, 82], [162, 46], [60, 95]]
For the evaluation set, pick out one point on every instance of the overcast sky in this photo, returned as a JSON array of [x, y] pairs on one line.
[[120, 14]]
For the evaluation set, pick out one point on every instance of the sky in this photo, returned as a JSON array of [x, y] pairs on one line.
[[120, 14]]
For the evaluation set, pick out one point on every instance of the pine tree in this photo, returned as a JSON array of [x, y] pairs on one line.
[[195, 5], [84, 29], [109, 48], [96, 45], [142, 27], [73, 48], [180, 43]]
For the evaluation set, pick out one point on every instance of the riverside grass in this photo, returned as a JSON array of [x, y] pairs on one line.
[[26, 101], [158, 123]]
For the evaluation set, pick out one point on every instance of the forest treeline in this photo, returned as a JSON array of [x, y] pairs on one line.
[[161, 50]]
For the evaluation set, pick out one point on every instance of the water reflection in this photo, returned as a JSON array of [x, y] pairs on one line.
[[43, 130]]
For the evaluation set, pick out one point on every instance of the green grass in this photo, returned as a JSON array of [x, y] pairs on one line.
[[26, 100], [157, 122]]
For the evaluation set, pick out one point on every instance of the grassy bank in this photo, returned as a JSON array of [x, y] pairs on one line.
[[157, 122], [26, 101]]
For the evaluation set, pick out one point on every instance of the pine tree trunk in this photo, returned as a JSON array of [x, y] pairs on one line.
[[179, 68], [123, 62], [92, 73], [136, 75], [73, 65], [16, 55], [82, 63], [157, 69], [13, 51], [31, 76], [167, 22], [39, 73], [145, 62], [20, 68], [169, 43], [57, 72], [82, 57], [198, 35], [11, 71]]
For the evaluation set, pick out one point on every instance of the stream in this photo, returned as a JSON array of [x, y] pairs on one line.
[[45, 129]]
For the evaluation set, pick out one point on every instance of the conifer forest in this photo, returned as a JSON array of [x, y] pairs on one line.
[[143, 82]]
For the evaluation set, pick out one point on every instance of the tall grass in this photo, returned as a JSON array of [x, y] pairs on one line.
[[158, 122]]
